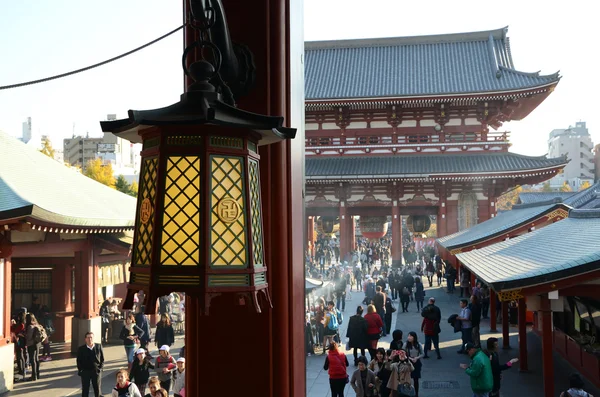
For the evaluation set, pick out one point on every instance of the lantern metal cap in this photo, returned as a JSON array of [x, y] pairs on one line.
[[199, 107]]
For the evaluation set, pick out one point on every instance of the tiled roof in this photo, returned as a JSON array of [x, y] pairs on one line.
[[424, 165], [534, 258], [502, 223], [34, 185], [463, 63], [588, 198], [536, 197]]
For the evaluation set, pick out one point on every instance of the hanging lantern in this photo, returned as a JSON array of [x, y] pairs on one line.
[[199, 221], [328, 225], [373, 227], [418, 223]]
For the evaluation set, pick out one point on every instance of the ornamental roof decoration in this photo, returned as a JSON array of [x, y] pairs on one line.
[[475, 63], [504, 223], [429, 167], [533, 258], [51, 197]]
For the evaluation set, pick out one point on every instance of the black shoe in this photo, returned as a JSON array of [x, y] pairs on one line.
[[425, 356]]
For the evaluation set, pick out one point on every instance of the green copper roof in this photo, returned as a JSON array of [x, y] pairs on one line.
[[560, 250], [448, 64], [34, 186]]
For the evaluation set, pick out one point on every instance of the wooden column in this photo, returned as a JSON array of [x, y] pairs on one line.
[[61, 302], [523, 366], [505, 326], [86, 283], [396, 236], [547, 347], [493, 316], [275, 39], [5, 311], [441, 218], [352, 233], [344, 233], [310, 235]]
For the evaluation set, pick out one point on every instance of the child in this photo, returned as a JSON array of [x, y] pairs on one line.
[[165, 365], [179, 384], [140, 370]]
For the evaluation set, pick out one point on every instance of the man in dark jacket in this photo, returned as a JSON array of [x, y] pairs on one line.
[[379, 303], [492, 353], [90, 361], [142, 322], [432, 316], [475, 319]]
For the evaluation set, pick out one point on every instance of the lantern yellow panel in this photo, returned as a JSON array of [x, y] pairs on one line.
[[142, 249], [256, 213], [181, 214], [228, 216]]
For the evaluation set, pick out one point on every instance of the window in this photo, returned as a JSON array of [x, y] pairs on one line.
[[30, 283]]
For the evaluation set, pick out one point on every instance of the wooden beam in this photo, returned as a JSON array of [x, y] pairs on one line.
[[111, 258], [38, 249], [576, 280], [585, 290]]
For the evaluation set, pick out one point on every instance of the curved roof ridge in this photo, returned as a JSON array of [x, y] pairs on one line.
[[498, 34], [553, 76]]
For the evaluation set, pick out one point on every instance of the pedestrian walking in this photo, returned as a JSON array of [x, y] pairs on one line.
[[105, 316], [140, 370], [363, 379], [90, 361], [124, 388], [475, 308], [485, 301], [164, 334], [17, 329], [497, 368], [419, 293], [374, 329], [400, 379], [130, 335], [465, 325], [389, 310], [430, 326], [35, 335], [430, 269], [379, 303], [164, 366], [179, 374], [142, 322], [479, 370], [414, 351], [335, 365], [357, 334], [331, 325]]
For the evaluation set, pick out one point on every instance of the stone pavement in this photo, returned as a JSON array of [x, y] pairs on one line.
[[59, 376], [444, 378]]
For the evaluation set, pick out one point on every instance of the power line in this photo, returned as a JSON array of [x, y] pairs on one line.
[[59, 76]]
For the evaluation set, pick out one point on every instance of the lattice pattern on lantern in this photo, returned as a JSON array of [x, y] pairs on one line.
[[226, 141], [228, 220], [142, 252], [181, 215], [255, 214]]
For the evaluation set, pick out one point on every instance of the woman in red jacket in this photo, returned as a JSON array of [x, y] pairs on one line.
[[336, 363], [374, 329]]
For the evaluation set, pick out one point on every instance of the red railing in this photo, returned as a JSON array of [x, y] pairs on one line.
[[378, 140]]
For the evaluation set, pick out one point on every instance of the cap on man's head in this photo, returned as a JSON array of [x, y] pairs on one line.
[[181, 360], [431, 300], [469, 346], [165, 348]]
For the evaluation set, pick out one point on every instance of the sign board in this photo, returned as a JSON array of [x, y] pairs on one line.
[[106, 147]]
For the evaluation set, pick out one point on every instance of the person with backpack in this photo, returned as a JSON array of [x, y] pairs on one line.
[[35, 335], [332, 325], [404, 296], [432, 317], [575, 387]]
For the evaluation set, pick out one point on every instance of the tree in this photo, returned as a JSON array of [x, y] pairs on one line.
[[508, 199], [584, 185], [546, 187], [100, 172], [432, 232], [133, 189], [47, 147], [565, 187], [122, 185]]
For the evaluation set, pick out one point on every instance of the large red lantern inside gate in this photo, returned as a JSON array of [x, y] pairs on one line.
[[373, 227]]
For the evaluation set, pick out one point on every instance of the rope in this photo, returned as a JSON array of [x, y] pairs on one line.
[[59, 76]]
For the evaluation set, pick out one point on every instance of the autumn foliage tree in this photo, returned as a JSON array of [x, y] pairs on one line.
[[100, 172], [565, 187], [584, 185], [47, 147], [508, 199]]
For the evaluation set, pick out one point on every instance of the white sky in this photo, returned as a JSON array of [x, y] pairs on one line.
[[43, 37]]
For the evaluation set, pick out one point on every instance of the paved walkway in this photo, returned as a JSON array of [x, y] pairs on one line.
[[444, 378], [59, 377]]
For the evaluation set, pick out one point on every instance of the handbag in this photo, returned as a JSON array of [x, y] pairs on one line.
[[406, 390]]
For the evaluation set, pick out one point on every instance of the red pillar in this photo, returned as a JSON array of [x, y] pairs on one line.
[[505, 326], [493, 316], [275, 39], [61, 302], [310, 235], [547, 347], [523, 367], [87, 291], [396, 236], [6, 310], [344, 235], [352, 233], [472, 280]]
